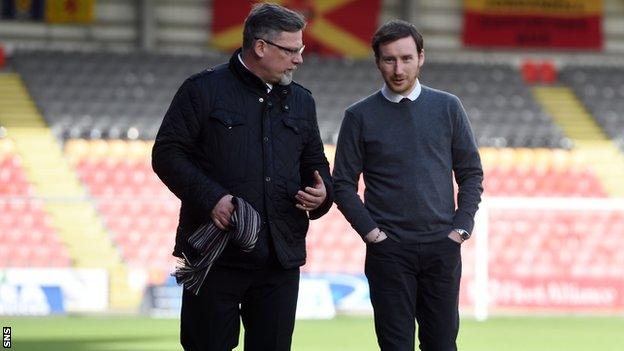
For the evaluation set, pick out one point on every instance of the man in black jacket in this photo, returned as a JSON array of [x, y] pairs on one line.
[[245, 129]]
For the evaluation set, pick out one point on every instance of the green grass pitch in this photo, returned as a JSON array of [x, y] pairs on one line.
[[340, 334]]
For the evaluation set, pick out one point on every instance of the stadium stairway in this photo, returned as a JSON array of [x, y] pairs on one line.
[[75, 218], [591, 143]]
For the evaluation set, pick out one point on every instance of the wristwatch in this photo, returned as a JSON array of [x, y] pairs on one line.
[[464, 235]]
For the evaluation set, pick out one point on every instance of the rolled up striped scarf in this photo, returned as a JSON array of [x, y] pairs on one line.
[[210, 241]]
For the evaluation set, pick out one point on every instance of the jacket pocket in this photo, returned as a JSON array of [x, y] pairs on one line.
[[228, 119], [288, 144], [292, 125], [295, 132], [227, 139], [295, 219]]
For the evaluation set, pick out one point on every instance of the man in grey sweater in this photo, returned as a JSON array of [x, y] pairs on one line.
[[408, 140]]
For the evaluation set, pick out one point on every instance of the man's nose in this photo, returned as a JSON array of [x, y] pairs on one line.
[[298, 59], [399, 68]]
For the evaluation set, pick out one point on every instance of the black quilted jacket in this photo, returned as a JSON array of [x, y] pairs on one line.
[[224, 134]]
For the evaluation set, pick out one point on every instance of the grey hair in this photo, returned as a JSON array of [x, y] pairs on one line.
[[268, 20]]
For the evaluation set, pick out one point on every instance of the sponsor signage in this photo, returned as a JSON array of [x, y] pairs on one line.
[[82, 290], [571, 24], [30, 300]]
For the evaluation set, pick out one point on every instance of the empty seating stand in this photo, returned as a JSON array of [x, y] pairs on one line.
[[104, 94], [538, 173], [138, 211], [557, 244], [601, 90], [125, 95], [27, 238]]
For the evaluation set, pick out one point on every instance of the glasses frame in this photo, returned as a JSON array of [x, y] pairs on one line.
[[289, 51]]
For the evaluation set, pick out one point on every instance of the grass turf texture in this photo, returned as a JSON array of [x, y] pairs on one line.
[[342, 333]]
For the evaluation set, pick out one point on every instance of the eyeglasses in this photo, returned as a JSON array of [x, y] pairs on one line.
[[289, 51]]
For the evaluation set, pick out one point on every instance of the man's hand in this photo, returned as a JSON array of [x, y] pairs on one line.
[[374, 236], [312, 197], [453, 235], [222, 212]]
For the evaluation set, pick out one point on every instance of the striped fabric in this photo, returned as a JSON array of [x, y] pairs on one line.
[[210, 241]]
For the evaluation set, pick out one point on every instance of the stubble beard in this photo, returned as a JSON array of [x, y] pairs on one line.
[[404, 88], [286, 78]]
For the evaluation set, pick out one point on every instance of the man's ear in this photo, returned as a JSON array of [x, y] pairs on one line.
[[259, 47], [421, 58]]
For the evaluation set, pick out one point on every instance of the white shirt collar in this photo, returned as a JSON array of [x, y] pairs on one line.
[[240, 58], [394, 97]]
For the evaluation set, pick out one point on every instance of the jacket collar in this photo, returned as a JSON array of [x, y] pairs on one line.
[[252, 80]]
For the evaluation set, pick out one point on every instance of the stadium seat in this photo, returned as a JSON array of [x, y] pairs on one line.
[[556, 245], [28, 239], [600, 89]]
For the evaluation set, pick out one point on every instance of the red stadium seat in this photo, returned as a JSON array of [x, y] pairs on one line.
[[529, 182], [530, 72], [27, 235], [548, 72]]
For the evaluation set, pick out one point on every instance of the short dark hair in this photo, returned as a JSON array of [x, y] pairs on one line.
[[268, 20], [395, 30]]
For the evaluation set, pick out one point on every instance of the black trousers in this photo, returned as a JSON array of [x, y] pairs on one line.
[[411, 282], [265, 299]]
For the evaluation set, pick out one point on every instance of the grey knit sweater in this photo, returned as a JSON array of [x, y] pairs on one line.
[[407, 153]]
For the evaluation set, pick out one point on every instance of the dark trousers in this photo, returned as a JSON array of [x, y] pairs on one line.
[[265, 299], [411, 282]]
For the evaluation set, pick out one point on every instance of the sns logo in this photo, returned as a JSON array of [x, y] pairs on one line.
[[6, 337]]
